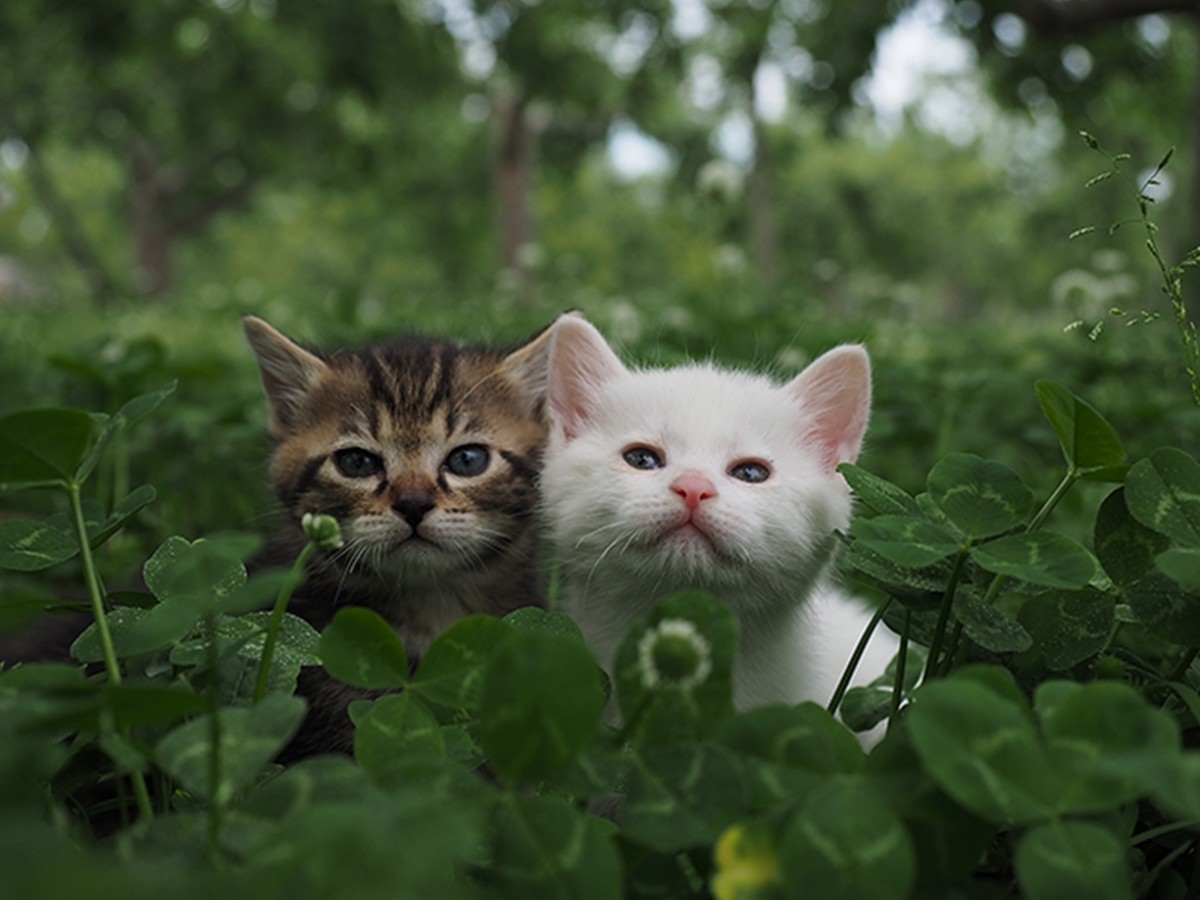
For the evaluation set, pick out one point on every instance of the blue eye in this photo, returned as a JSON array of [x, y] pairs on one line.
[[751, 471], [468, 461], [641, 457], [355, 462]]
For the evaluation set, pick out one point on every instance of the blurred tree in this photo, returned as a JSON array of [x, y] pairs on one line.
[[1126, 69], [557, 74], [810, 55], [205, 100]]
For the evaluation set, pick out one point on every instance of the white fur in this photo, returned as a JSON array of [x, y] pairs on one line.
[[765, 549]]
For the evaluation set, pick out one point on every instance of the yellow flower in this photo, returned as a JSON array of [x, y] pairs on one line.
[[747, 863]]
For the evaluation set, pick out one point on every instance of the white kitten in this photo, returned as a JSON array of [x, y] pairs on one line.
[[697, 477]]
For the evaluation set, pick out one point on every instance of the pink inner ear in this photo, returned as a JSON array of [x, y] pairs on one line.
[[581, 363], [835, 393]]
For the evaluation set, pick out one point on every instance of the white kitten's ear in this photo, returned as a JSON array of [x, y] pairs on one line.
[[288, 372], [581, 364], [835, 394]]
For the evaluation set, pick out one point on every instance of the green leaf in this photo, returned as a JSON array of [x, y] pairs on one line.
[[342, 837], [849, 842], [906, 540], [981, 497], [804, 737], [988, 627], [360, 648], [543, 696], [879, 494], [1088, 442], [790, 750], [43, 446], [865, 707], [129, 414], [30, 546], [1072, 859], [451, 671], [1181, 565], [543, 847], [125, 509], [1068, 626], [137, 631], [1040, 557], [683, 796], [396, 730], [240, 643], [533, 618], [1126, 548], [918, 589], [132, 704], [981, 747], [249, 739], [1105, 741], [198, 573], [1170, 613], [1163, 493]]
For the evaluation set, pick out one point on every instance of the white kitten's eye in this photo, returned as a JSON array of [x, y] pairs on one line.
[[642, 457], [752, 471]]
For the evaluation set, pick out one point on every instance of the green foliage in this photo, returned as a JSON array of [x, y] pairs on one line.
[[1045, 750]]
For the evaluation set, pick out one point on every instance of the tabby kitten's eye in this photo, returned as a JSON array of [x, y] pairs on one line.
[[641, 457], [355, 462], [751, 471], [468, 460]]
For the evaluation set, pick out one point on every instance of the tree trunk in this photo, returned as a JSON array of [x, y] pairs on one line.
[[152, 238], [514, 176]]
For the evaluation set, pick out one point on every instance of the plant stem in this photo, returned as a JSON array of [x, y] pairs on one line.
[[1034, 524], [295, 577], [1052, 501], [955, 649], [95, 592], [214, 736], [859, 649], [939, 631], [1184, 664], [901, 666]]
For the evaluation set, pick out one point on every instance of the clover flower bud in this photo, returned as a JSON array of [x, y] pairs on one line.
[[322, 530], [747, 861], [674, 654]]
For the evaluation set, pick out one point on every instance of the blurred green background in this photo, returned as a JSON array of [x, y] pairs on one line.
[[748, 181]]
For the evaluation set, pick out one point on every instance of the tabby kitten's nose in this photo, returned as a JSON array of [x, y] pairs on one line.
[[412, 508]]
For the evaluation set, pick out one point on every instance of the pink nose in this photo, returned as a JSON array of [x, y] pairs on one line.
[[693, 488]]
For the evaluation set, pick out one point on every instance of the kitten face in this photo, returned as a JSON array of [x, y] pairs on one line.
[[697, 476], [424, 451]]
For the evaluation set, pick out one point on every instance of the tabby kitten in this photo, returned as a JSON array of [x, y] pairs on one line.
[[659, 480], [426, 452]]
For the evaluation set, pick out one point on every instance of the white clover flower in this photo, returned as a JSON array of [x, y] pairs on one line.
[[674, 654], [322, 530]]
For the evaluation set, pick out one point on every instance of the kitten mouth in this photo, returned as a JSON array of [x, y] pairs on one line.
[[690, 531], [415, 539]]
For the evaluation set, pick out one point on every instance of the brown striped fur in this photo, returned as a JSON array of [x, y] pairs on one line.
[[408, 404]]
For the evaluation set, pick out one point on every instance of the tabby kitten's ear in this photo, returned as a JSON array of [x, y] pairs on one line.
[[834, 393], [288, 372], [581, 363]]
